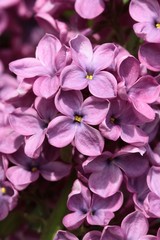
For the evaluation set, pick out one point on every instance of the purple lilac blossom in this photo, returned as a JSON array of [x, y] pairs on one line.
[[131, 88], [27, 170], [50, 59], [32, 123], [147, 14], [88, 68], [106, 170], [133, 227], [74, 124], [84, 205], [121, 121]]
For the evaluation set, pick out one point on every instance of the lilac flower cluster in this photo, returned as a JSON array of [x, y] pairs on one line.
[[75, 107]]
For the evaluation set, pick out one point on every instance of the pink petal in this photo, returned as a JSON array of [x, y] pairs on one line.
[[143, 111], [153, 180], [103, 85], [73, 77], [144, 9], [103, 56], [149, 55], [133, 135], [68, 105], [61, 131], [135, 225], [73, 220], [46, 51], [129, 70], [8, 137], [88, 140], [46, 86], [20, 177], [106, 182], [112, 233], [147, 94], [25, 121], [32, 145], [89, 8], [94, 110], [28, 68], [81, 50]]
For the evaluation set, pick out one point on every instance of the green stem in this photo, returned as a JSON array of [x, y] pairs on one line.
[[54, 222]]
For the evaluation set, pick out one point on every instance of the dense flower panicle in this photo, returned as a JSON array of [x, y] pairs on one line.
[[80, 110]]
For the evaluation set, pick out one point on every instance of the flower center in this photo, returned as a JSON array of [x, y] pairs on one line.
[[112, 120], [77, 118], [89, 76], [157, 25], [34, 169], [3, 190]]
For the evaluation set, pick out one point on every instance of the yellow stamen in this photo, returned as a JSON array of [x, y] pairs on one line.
[[34, 169], [89, 76], [78, 118], [3, 190], [112, 120], [158, 25]]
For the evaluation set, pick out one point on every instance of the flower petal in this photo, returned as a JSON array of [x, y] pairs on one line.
[[103, 85], [88, 140], [61, 131], [28, 68]]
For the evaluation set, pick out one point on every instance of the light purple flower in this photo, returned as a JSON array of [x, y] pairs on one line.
[[88, 68], [139, 91], [32, 123], [121, 121], [50, 59], [133, 227], [28, 170], [147, 14], [84, 205], [106, 169], [75, 122]]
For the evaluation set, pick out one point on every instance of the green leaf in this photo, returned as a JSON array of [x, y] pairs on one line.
[[125, 1]]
